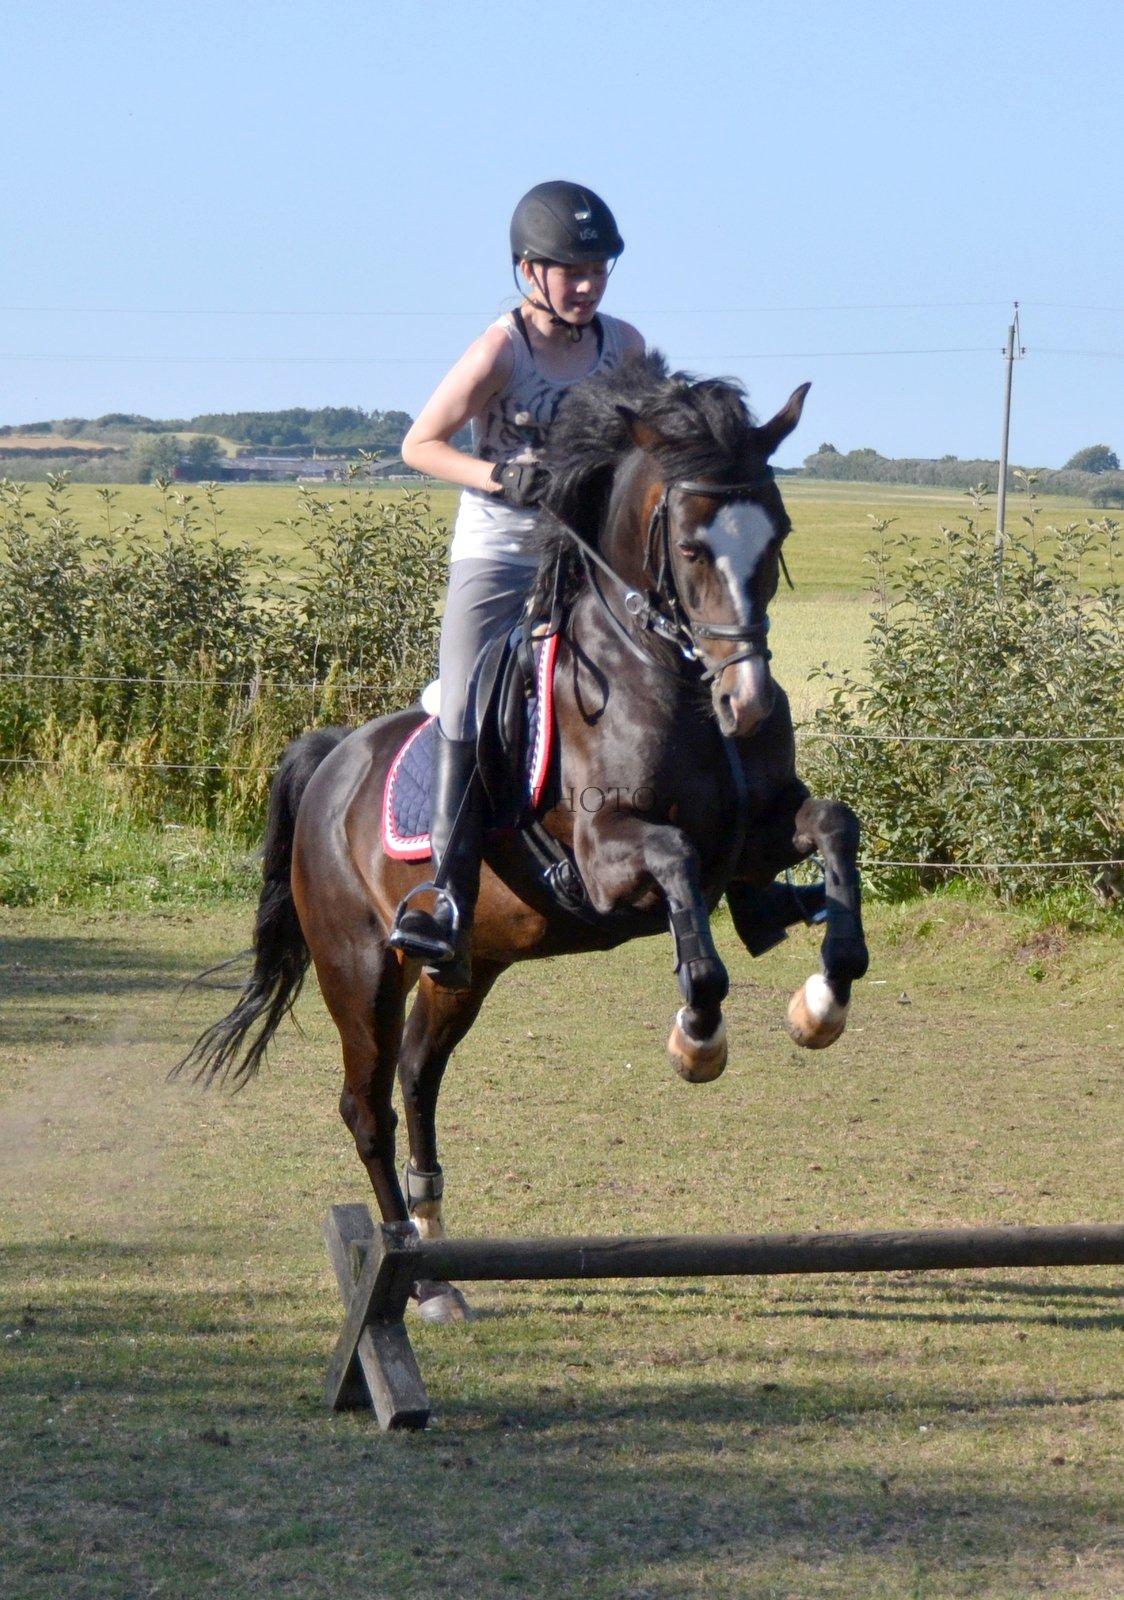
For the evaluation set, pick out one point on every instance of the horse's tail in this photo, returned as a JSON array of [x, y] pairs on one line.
[[230, 1047]]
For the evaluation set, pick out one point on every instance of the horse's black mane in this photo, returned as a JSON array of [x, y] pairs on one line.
[[703, 426]]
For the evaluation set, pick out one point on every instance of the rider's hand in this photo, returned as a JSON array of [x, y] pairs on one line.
[[520, 483]]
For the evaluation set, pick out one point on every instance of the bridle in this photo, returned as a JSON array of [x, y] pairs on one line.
[[661, 611]]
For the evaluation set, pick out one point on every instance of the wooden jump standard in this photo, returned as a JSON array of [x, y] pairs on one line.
[[373, 1363]]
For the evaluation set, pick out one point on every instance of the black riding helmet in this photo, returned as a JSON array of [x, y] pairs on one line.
[[566, 223], [560, 222]]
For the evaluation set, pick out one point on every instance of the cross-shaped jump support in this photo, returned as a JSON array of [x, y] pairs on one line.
[[373, 1363]]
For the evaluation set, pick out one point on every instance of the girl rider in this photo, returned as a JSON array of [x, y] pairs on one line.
[[508, 385]]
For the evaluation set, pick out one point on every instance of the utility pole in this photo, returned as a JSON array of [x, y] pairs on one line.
[[1014, 351]]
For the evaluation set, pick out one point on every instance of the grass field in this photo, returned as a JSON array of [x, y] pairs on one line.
[[167, 1310], [832, 520]]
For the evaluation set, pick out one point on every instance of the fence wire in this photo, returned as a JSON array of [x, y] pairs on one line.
[[260, 688], [868, 864]]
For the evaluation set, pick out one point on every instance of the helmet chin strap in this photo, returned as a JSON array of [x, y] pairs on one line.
[[574, 332]]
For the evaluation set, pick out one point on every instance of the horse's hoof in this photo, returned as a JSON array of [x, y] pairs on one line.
[[442, 1303], [815, 1017], [697, 1060], [426, 1217]]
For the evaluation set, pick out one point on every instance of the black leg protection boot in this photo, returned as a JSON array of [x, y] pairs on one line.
[[762, 915], [441, 937]]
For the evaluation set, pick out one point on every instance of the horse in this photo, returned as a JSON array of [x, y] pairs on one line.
[[661, 546]]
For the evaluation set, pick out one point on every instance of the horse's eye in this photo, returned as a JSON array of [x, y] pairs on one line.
[[691, 549]]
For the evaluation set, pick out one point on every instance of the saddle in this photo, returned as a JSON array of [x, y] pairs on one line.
[[516, 747]]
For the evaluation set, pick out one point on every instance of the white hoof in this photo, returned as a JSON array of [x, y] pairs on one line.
[[697, 1060], [815, 1017], [447, 1306]]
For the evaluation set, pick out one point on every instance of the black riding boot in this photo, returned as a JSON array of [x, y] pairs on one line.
[[441, 937], [762, 915]]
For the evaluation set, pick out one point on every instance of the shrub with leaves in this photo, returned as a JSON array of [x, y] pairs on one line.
[[184, 661], [1005, 647]]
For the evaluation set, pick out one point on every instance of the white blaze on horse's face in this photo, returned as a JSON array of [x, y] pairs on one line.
[[738, 538]]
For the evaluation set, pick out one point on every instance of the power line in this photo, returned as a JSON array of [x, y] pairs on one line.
[[1058, 305], [408, 361], [394, 311], [873, 862], [833, 737], [1054, 350], [639, 312]]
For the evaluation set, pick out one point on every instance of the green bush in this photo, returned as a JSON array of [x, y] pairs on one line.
[[967, 645], [182, 663]]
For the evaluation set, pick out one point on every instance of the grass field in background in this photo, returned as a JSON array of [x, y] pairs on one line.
[[832, 527], [825, 620], [167, 1310]]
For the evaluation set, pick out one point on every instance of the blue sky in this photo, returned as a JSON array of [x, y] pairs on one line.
[[211, 207]]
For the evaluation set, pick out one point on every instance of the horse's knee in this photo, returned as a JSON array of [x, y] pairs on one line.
[[829, 826], [373, 1134]]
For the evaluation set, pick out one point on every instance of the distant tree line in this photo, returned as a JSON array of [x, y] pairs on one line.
[[326, 428], [149, 447], [1101, 482], [156, 449]]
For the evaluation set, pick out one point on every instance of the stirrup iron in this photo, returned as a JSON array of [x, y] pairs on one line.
[[440, 950]]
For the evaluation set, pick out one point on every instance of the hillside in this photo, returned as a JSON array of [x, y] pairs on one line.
[[127, 447]]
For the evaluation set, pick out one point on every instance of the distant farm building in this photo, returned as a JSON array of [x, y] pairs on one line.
[[288, 469]]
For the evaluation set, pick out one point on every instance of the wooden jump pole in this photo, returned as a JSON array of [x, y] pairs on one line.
[[377, 1267]]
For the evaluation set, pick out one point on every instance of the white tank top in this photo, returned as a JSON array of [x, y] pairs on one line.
[[486, 528]]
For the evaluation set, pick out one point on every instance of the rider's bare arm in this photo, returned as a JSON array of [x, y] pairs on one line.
[[633, 341], [462, 393]]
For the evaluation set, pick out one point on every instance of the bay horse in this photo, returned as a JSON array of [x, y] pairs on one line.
[[662, 496]]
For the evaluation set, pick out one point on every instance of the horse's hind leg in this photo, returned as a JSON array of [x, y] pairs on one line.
[[439, 1020], [817, 1013], [365, 992]]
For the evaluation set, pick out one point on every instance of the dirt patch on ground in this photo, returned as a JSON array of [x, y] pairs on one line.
[[1045, 946]]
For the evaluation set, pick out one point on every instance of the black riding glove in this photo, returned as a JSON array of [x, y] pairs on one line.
[[523, 482]]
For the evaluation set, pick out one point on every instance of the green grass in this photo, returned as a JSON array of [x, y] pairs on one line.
[[832, 526], [167, 1310], [73, 837]]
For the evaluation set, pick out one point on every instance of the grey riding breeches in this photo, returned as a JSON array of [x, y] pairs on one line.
[[485, 599]]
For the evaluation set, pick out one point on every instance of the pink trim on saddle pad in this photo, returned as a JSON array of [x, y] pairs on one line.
[[416, 847], [402, 847], [544, 728]]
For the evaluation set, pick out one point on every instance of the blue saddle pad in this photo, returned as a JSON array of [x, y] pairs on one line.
[[406, 801]]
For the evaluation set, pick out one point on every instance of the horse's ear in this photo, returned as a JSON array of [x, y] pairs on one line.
[[642, 434], [774, 432]]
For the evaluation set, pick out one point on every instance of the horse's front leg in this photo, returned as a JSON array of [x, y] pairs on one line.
[[622, 859], [817, 1013]]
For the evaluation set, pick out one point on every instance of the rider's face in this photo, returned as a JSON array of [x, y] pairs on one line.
[[574, 292]]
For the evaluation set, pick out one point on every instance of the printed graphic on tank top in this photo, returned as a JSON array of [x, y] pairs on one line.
[[486, 528]]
